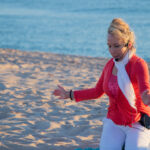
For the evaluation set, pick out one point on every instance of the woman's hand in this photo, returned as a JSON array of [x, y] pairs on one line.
[[61, 92], [146, 97]]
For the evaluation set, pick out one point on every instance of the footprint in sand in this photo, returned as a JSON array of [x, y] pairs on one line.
[[2, 87], [41, 125], [5, 112]]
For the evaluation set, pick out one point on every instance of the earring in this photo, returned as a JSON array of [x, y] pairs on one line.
[[129, 45]]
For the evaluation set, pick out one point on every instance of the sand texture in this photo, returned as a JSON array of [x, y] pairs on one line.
[[31, 118]]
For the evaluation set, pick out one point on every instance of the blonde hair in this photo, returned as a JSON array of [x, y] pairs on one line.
[[119, 28]]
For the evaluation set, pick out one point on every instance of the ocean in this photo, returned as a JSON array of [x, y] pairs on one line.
[[74, 27]]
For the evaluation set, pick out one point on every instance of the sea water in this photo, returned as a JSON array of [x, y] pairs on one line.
[[76, 27]]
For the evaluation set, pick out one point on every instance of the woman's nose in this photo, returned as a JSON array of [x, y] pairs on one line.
[[112, 49]]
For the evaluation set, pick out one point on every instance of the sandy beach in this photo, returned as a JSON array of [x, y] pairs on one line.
[[31, 118]]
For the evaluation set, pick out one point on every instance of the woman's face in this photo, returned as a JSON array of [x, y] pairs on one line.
[[116, 47]]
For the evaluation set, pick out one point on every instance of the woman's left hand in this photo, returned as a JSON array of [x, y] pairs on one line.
[[146, 97]]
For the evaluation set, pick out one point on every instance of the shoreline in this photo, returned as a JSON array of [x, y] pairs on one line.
[[48, 53], [13, 51]]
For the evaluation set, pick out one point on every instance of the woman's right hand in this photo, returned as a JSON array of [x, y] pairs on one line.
[[61, 92]]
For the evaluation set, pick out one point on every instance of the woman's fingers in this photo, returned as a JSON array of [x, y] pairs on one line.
[[60, 92], [146, 97], [145, 92], [60, 87], [56, 92]]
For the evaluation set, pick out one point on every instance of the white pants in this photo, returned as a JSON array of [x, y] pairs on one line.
[[115, 136]]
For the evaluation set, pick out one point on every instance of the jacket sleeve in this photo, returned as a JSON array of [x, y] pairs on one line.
[[91, 93], [142, 75]]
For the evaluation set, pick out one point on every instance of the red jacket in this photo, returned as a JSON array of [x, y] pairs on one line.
[[119, 109]]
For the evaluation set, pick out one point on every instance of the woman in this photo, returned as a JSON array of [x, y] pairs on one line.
[[125, 79]]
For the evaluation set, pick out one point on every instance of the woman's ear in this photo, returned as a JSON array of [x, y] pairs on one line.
[[129, 45]]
